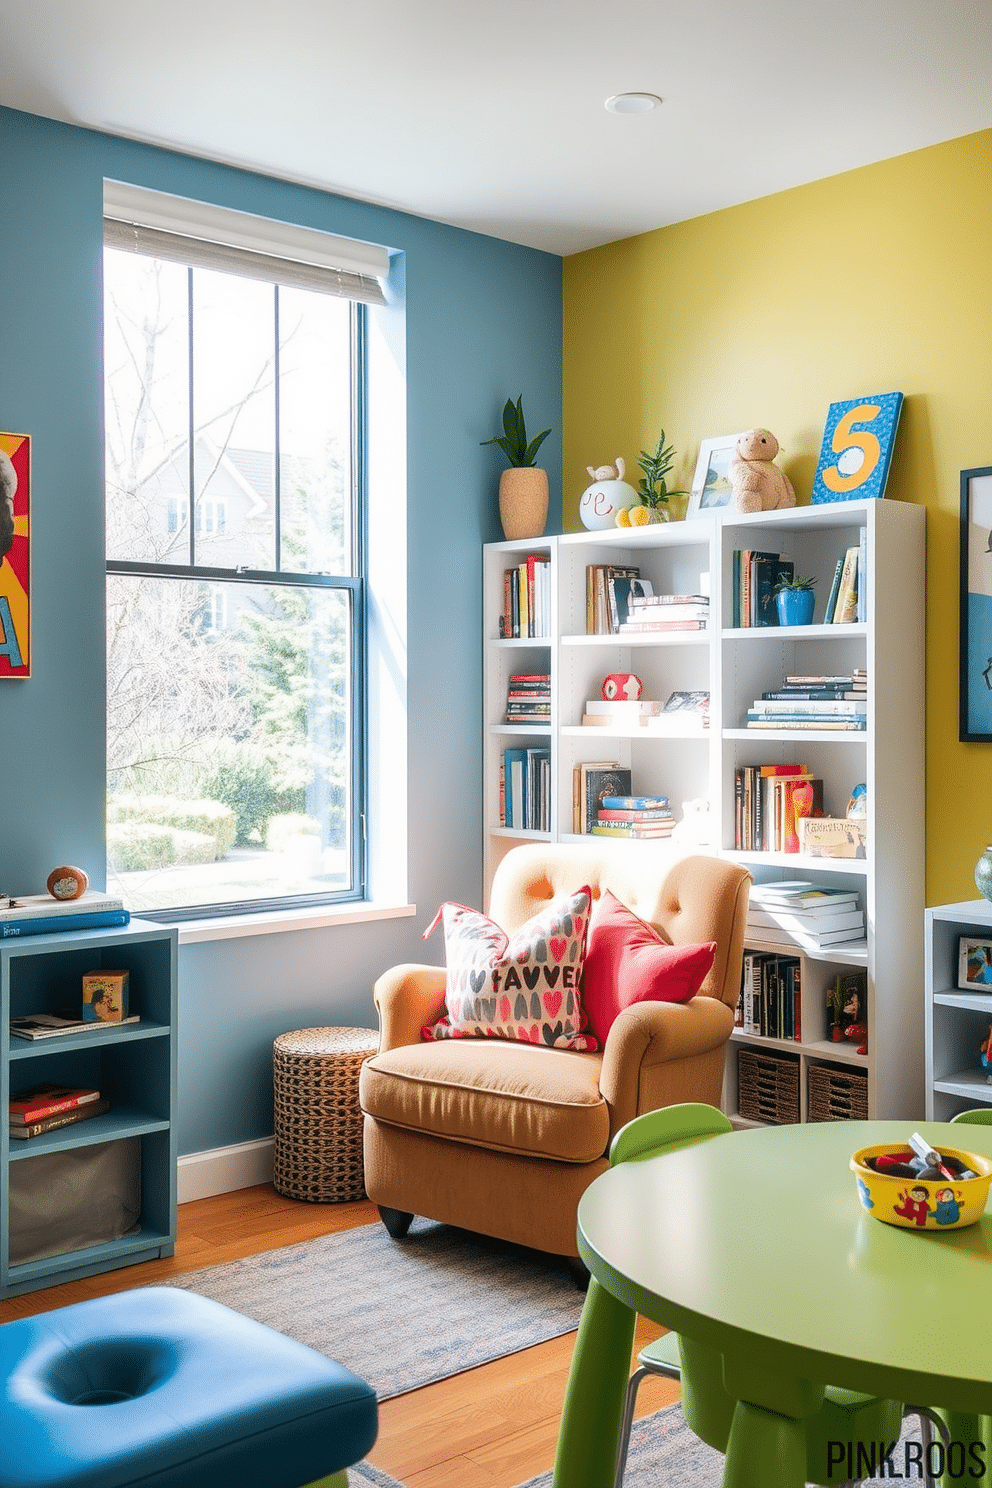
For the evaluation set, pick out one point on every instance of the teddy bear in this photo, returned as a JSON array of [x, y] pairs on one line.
[[755, 483]]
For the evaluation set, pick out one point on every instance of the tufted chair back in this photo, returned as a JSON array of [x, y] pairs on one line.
[[687, 898]]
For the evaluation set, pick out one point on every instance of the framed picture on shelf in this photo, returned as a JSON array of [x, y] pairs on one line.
[[974, 964], [711, 482], [975, 653]]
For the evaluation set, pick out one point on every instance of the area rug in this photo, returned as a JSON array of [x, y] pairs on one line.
[[401, 1313], [662, 1451]]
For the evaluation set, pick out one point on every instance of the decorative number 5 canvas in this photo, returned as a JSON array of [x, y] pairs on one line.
[[976, 606], [857, 448], [15, 557]]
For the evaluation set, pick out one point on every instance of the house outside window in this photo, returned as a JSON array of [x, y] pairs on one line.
[[236, 642]]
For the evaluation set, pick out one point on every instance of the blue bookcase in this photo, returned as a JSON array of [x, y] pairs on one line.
[[134, 1142]]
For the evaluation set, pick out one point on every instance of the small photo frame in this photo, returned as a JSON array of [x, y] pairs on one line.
[[974, 964], [711, 482]]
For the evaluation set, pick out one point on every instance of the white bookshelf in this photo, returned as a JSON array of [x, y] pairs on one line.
[[957, 1020], [735, 665]]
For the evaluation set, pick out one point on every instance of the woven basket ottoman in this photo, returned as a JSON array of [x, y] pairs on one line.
[[318, 1121]]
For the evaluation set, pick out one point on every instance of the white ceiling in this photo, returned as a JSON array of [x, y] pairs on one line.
[[491, 117]]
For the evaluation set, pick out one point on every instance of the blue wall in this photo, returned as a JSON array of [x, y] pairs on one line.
[[483, 323]]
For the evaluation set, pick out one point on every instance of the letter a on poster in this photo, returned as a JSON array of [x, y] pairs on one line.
[[15, 555]]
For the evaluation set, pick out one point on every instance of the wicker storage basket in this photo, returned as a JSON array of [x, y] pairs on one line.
[[835, 1094], [768, 1087], [318, 1123]]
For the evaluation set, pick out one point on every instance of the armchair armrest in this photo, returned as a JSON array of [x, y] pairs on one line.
[[407, 998], [656, 1052]]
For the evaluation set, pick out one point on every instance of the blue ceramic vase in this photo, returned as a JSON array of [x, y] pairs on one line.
[[795, 606]]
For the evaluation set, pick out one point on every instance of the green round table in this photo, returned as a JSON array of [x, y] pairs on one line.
[[756, 1243]]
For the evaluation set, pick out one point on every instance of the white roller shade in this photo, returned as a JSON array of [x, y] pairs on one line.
[[184, 231]]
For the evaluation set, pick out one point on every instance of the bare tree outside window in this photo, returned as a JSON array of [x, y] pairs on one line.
[[233, 598]]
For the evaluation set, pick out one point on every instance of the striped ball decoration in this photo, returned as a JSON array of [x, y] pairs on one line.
[[525, 986]]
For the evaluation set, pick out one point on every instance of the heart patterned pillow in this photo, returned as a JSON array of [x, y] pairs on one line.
[[524, 986]]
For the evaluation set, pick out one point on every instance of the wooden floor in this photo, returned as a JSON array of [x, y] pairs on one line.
[[491, 1427]]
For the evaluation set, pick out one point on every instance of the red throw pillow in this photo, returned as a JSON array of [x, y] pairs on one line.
[[627, 961], [524, 986]]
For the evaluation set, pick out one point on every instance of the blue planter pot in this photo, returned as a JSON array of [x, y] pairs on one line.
[[795, 606]]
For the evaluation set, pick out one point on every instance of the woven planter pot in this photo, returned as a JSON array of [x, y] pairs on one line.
[[523, 501]]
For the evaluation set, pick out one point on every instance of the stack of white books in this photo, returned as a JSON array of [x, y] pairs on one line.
[[795, 912]]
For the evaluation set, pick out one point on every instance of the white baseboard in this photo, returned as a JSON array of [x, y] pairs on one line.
[[224, 1169]]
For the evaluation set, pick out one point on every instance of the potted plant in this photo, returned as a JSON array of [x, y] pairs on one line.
[[794, 599], [523, 489], [652, 488]]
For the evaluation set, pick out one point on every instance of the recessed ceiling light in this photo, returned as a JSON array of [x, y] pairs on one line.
[[632, 103]]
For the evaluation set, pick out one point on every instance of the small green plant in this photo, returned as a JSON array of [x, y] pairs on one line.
[[792, 582], [513, 440], [653, 485]]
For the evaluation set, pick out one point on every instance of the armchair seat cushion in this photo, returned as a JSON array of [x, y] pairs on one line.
[[508, 1097]]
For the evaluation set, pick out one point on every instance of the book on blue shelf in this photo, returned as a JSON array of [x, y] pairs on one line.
[[858, 439], [54, 924]]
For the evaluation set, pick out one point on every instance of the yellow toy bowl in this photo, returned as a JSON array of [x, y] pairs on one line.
[[923, 1203]]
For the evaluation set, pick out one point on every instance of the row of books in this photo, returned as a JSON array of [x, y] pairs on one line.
[[682, 712], [525, 789], [769, 800], [798, 912], [846, 599], [754, 576], [770, 999], [813, 702], [528, 698], [40, 914], [47, 1107], [526, 599]]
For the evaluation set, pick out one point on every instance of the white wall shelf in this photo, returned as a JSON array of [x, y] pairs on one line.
[[957, 1020]]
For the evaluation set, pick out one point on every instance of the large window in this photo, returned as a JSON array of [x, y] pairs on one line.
[[234, 412]]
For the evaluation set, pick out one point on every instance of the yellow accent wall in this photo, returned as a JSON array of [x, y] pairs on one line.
[[765, 313]]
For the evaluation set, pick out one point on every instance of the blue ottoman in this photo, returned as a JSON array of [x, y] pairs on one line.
[[166, 1389]]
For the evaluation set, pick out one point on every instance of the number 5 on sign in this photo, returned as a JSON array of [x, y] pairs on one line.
[[857, 448]]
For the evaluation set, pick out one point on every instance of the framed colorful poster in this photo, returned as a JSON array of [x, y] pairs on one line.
[[976, 606], [15, 555], [857, 448]]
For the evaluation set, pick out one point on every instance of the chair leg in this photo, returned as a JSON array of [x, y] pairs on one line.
[[929, 1421], [630, 1401], [397, 1221]]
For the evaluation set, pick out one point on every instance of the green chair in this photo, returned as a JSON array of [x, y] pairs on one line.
[[706, 1406], [981, 1116]]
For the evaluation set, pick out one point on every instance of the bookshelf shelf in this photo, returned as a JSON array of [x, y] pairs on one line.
[[134, 1067], [957, 1020], [735, 664]]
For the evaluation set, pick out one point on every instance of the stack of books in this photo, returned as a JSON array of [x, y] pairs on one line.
[[621, 713], [658, 613], [799, 913], [683, 713], [45, 1108], [40, 914], [813, 702], [641, 817], [528, 698]]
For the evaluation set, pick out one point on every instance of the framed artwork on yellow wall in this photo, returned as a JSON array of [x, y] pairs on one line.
[[15, 555], [976, 606]]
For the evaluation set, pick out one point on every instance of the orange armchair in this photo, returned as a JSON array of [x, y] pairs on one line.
[[503, 1137]]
